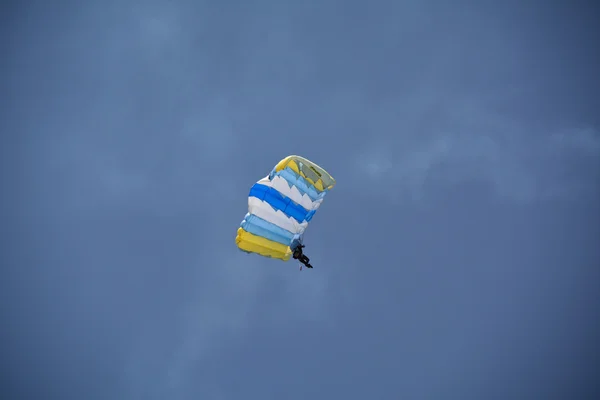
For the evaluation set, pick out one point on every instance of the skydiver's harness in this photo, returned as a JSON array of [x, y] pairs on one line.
[[298, 255]]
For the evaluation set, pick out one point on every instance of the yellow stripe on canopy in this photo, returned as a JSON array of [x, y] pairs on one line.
[[256, 244], [304, 168]]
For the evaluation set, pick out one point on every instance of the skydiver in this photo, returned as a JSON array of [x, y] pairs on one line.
[[300, 256]]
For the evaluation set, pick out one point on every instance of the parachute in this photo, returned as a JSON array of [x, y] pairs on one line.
[[281, 205]]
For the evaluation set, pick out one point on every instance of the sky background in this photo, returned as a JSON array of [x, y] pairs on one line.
[[457, 258]]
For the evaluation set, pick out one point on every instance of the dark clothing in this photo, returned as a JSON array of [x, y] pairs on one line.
[[298, 255]]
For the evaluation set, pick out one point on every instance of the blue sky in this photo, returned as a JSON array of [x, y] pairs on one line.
[[457, 258]]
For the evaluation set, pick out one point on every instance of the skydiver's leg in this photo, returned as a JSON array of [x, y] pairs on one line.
[[306, 261]]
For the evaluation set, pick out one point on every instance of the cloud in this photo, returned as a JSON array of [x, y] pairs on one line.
[[518, 162]]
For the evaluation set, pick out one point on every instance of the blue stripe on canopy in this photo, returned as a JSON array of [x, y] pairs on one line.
[[260, 227], [279, 202], [303, 186]]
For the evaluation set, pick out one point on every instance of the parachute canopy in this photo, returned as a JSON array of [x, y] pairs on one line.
[[281, 205]]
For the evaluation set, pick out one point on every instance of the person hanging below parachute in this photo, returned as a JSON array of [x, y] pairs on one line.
[[296, 246], [280, 206]]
